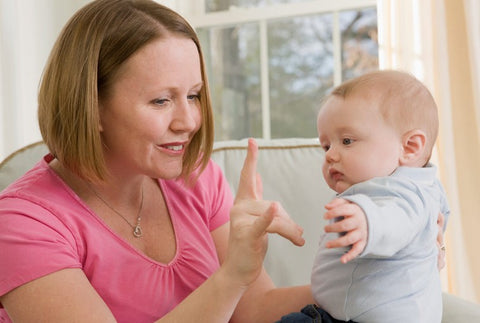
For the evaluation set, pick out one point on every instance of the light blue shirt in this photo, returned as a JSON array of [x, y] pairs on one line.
[[395, 279]]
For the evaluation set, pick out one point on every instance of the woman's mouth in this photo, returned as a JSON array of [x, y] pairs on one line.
[[174, 147]]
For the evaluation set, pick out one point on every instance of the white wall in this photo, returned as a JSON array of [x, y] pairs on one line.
[[28, 29]]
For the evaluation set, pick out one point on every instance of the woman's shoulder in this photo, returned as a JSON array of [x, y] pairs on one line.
[[41, 198], [40, 183]]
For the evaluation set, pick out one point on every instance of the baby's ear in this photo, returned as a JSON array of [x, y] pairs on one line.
[[413, 149]]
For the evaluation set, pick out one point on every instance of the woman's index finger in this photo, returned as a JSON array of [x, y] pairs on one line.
[[247, 188]]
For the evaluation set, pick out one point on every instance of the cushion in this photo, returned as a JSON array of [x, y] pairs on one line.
[[291, 172], [17, 163]]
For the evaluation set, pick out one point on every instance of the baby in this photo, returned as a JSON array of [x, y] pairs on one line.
[[378, 131]]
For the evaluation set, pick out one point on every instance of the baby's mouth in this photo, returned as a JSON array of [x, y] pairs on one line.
[[335, 175]]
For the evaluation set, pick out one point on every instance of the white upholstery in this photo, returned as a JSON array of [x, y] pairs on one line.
[[291, 174], [19, 162]]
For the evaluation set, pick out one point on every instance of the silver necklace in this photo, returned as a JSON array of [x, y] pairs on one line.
[[137, 229]]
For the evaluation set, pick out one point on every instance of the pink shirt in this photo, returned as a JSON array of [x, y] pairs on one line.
[[45, 227]]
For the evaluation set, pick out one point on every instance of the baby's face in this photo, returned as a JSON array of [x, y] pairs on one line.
[[358, 143]]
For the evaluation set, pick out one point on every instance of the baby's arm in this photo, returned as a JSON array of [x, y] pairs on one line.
[[353, 224]]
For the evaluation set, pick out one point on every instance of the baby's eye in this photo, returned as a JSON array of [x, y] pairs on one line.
[[347, 141], [326, 147]]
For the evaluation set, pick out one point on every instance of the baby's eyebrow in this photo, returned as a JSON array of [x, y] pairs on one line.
[[345, 129]]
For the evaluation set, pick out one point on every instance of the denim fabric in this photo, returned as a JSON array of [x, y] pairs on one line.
[[310, 314]]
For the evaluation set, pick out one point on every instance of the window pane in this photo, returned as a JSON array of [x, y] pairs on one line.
[[233, 69], [221, 5], [301, 62], [301, 71], [359, 42]]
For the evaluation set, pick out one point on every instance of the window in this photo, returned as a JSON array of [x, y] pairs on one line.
[[270, 62]]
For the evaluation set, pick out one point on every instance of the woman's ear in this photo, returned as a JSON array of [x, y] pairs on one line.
[[413, 149]]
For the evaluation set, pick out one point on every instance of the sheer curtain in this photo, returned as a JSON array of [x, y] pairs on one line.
[[432, 39], [472, 19], [28, 29]]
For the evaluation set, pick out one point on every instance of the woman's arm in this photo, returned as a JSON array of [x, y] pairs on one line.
[[263, 302], [62, 296], [241, 246], [67, 293]]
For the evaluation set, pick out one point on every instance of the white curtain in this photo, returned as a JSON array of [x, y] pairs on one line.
[[422, 37], [28, 29], [472, 17]]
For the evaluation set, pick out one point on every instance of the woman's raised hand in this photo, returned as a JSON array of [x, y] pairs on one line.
[[251, 218]]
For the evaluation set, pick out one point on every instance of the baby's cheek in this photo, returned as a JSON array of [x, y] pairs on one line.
[[361, 174]]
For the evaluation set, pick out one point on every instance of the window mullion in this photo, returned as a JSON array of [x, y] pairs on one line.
[[265, 84], [337, 49]]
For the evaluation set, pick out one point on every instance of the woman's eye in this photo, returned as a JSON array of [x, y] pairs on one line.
[[193, 97], [160, 101], [347, 141]]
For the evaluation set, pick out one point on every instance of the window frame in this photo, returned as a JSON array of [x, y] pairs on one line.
[[194, 11]]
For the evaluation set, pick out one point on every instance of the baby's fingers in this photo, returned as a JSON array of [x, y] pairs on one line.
[[342, 225], [356, 249], [335, 203], [345, 240], [354, 239], [339, 208]]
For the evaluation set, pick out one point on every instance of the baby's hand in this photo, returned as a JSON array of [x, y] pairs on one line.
[[353, 224]]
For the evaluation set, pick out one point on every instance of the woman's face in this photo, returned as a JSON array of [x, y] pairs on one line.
[[152, 109]]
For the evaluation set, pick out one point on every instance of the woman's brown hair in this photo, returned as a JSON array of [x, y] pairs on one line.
[[91, 48]]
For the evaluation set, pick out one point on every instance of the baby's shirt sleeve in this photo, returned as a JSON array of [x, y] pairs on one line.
[[396, 211]]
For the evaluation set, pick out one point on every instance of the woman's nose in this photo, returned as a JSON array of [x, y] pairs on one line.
[[186, 116]]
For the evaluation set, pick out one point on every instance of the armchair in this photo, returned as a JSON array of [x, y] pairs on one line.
[[291, 174]]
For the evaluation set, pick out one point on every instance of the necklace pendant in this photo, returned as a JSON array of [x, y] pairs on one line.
[[137, 231]]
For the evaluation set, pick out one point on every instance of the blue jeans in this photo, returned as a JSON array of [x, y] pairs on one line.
[[310, 314]]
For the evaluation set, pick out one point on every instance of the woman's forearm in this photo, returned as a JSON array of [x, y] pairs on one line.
[[214, 301], [281, 301], [263, 302]]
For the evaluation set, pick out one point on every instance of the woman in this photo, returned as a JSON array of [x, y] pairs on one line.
[[127, 219]]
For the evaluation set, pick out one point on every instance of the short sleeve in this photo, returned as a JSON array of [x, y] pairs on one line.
[[221, 196], [33, 243]]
